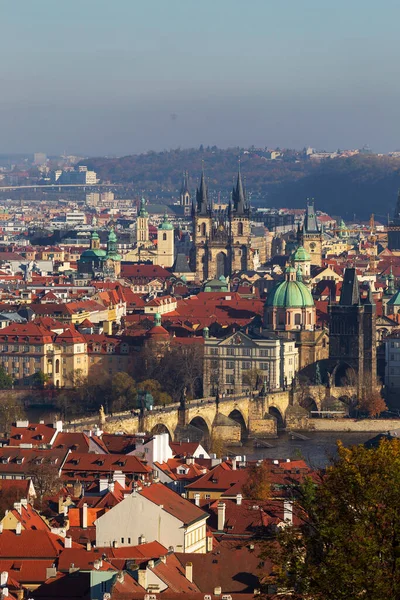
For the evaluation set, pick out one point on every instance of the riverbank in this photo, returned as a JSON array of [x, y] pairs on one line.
[[354, 425]]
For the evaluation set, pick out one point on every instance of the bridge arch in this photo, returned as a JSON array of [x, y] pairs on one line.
[[308, 403], [161, 428], [344, 374], [238, 417], [204, 427], [273, 411]]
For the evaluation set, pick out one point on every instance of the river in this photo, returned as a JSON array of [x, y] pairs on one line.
[[316, 450]]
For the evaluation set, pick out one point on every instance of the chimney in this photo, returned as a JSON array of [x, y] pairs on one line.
[[110, 486], [24, 502], [189, 571], [120, 577], [77, 489], [88, 546], [4, 593], [3, 578], [189, 460], [18, 528], [142, 539], [233, 464], [115, 544], [163, 558], [217, 591], [221, 516], [51, 572], [288, 511], [197, 499], [239, 499], [67, 542], [142, 578], [151, 564], [1, 527], [60, 504], [97, 564], [18, 507], [84, 516], [209, 543]]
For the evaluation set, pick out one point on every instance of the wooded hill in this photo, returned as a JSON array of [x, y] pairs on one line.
[[343, 186]]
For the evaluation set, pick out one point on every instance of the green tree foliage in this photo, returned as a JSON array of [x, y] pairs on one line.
[[10, 411], [6, 381], [348, 543], [40, 380]]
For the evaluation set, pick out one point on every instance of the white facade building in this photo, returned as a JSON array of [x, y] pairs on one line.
[[154, 513]]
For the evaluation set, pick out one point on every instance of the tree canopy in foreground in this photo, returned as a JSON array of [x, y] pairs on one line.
[[348, 543]]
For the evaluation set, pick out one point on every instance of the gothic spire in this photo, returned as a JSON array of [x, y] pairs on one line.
[[350, 294], [185, 183], [238, 195], [202, 195]]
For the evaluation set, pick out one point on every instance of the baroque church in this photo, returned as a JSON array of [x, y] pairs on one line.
[[221, 239]]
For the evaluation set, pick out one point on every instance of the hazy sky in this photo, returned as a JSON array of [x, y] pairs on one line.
[[122, 76]]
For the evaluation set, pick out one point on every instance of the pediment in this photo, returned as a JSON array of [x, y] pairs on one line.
[[238, 339]]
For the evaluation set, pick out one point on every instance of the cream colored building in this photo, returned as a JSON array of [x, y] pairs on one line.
[[154, 513], [226, 362]]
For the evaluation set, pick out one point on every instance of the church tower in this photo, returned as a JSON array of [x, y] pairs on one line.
[[184, 197], [165, 243], [310, 235], [202, 230], [352, 333], [142, 225], [240, 227]]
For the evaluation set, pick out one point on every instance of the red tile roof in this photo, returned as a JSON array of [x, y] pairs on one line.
[[173, 503]]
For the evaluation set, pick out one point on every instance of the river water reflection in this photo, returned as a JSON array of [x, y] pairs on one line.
[[316, 449]]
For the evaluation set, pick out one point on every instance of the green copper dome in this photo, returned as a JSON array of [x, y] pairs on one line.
[[91, 254], [290, 294], [395, 300], [166, 225], [143, 212], [301, 255], [95, 235]]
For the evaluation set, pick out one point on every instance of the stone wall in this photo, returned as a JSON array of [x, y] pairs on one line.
[[367, 425]]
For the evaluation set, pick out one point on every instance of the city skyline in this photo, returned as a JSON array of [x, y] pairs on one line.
[[159, 76]]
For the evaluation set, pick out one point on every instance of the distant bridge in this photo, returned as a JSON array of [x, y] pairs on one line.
[[59, 186], [232, 419]]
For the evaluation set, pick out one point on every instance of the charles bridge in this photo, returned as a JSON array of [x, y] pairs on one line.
[[231, 418]]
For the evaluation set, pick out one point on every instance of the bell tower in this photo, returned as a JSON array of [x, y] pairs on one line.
[[165, 243], [142, 225], [184, 197], [309, 235], [240, 227], [202, 229]]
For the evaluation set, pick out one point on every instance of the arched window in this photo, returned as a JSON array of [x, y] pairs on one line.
[[164, 237], [240, 228], [297, 319], [203, 229]]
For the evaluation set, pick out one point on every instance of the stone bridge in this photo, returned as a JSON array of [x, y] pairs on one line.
[[233, 418]]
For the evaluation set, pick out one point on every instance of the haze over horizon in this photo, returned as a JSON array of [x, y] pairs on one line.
[[101, 78]]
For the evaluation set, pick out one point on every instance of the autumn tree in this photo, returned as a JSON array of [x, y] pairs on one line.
[[372, 403], [10, 411], [46, 479], [348, 542], [257, 485], [8, 497], [217, 446]]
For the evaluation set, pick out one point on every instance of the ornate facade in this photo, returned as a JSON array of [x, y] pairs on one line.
[[221, 240]]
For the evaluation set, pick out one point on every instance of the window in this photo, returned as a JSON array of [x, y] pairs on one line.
[[214, 351], [230, 351], [230, 364], [264, 366], [246, 365], [229, 379], [297, 319], [122, 540], [246, 352], [164, 237], [207, 496], [264, 353]]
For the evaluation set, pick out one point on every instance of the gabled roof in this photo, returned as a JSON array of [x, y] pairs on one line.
[[173, 503]]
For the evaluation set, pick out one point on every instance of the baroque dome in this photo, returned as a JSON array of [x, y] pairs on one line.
[[290, 294]]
